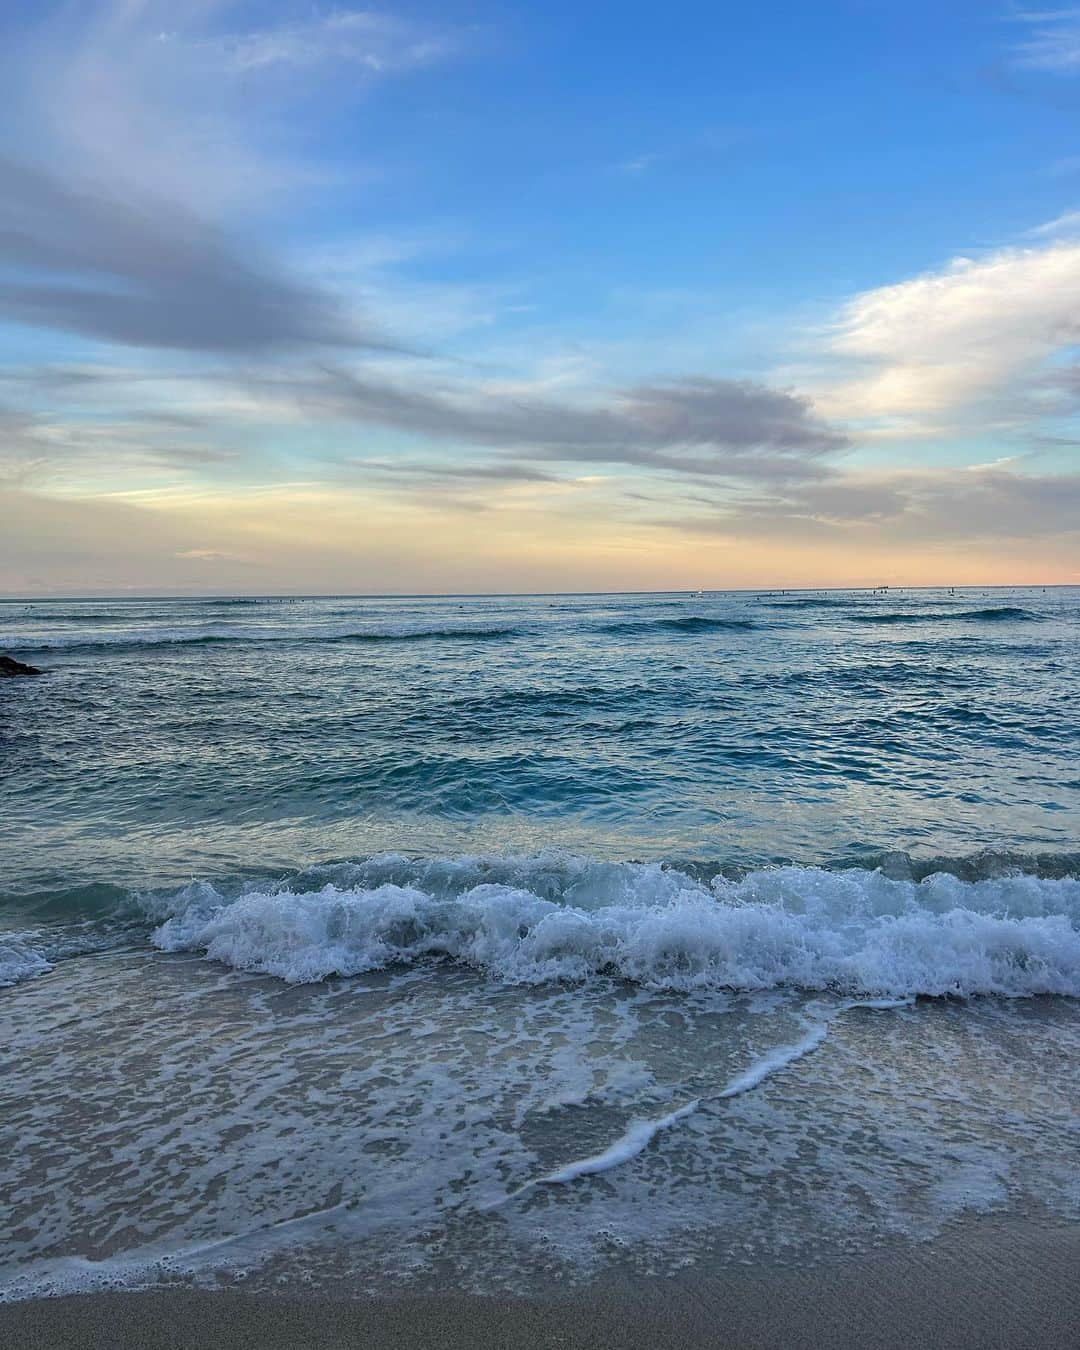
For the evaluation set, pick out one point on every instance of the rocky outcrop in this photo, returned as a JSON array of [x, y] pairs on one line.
[[9, 668]]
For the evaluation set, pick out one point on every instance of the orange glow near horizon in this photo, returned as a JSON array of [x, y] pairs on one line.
[[313, 541]]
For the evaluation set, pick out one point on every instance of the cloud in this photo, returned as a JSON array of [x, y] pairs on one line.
[[499, 433], [86, 448], [1068, 223], [136, 144], [638, 164], [298, 539], [163, 132], [149, 273], [177, 99], [135, 235], [1053, 43], [695, 425], [980, 505], [407, 471], [979, 331], [209, 555], [377, 44], [74, 545], [986, 525]]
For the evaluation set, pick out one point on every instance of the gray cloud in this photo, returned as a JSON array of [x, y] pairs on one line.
[[187, 456], [41, 448], [846, 500], [410, 471], [706, 429], [725, 428], [149, 273], [931, 507], [997, 503]]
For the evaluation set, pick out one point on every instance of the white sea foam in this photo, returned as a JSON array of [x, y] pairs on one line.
[[637, 1136], [19, 960], [640, 1133], [780, 1058], [854, 932], [438, 1123]]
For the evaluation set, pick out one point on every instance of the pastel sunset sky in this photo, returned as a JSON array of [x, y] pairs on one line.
[[537, 296]]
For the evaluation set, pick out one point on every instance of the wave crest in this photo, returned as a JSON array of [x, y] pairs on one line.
[[193, 638], [689, 623], [993, 614], [855, 932]]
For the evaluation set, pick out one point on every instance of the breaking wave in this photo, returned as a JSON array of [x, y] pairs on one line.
[[855, 932]]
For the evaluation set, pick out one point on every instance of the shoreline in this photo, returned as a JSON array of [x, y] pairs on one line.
[[994, 1283]]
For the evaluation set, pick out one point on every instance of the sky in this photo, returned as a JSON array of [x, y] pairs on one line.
[[300, 298]]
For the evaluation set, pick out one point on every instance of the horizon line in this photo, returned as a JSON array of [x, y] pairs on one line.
[[530, 595]]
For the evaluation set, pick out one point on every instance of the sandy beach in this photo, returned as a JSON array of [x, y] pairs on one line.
[[992, 1284]]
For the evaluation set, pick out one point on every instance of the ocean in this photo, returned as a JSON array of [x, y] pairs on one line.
[[382, 943]]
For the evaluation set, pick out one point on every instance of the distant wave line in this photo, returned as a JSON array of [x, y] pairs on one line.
[[134, 641]]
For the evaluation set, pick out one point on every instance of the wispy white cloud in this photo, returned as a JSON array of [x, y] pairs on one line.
[[1067, 224], [173, 99], [637, 164], [373, 42], [1052, 42], [209, 555]]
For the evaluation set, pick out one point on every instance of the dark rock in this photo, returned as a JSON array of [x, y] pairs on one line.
[[10, 668]]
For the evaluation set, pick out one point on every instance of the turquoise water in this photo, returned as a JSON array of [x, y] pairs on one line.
[[398, 941], [174, 739]]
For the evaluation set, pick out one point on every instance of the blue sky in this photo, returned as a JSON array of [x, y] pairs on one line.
[[323, 297]]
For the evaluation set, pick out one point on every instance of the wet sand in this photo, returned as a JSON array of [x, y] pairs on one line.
[[998, 1284]]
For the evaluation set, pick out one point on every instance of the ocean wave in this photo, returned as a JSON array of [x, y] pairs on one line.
[[72, 616], [427, 634], [993, 614], [988, 864], [856, 932], [194, 638], [813, 602], [689, 623]]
